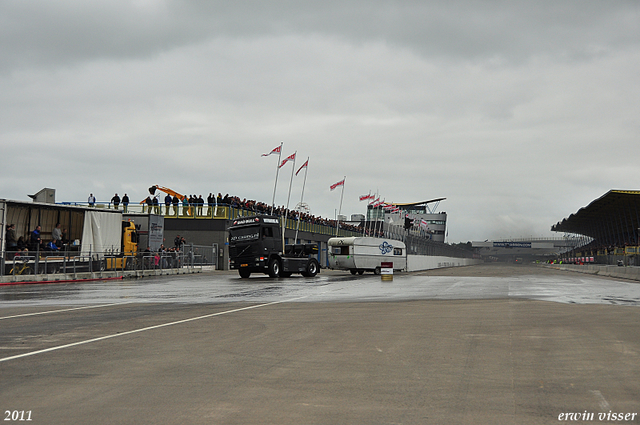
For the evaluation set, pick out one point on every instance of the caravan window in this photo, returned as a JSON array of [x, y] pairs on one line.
[[397, 251], [341, 250]]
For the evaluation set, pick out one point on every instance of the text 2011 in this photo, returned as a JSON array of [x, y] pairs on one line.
[[17, 415]]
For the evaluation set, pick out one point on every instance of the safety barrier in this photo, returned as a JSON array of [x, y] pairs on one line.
[[215, 212], [623, 272], [25, 266]]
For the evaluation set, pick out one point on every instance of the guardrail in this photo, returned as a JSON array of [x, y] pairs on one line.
[[71, 264], [212, 212]]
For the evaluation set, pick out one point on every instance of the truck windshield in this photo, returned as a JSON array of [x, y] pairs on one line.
[[244, 234]]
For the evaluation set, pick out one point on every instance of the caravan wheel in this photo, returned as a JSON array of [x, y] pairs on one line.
[[376, 271]]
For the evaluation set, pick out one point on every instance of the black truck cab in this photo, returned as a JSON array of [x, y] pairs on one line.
[[255, 246]]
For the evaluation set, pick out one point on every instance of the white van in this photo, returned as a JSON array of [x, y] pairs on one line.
[[360, 254]]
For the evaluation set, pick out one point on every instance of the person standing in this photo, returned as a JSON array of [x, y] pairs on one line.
[[12, 242], [125, 202], [167, 202], [175, 201], [91, 200], [116, 201], [200, 203], [56, 235], [211, 199], [35, 240]]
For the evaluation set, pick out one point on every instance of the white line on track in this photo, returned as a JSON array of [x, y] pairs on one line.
[[63, 310], [604, 405], [102, 338]]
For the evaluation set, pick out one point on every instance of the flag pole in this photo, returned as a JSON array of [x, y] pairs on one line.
[[304, 182], [340, 209], [286, 210], [273, 200]]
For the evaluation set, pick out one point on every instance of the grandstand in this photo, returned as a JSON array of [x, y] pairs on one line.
[[613, 224]]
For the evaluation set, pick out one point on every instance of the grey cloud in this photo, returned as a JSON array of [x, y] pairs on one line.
[[65, 32]]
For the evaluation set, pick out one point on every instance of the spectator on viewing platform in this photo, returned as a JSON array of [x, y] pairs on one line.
[[51, 246], [35, 240], [10, 237], [21, 245], [185, 206], [115, 201], [56, 234], [156, 205], [125, 202], [211, 199], [91, 200], [167, 202], [175, 201], [149, 203], [200, 203]]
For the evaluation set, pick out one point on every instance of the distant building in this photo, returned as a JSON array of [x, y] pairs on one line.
[[433, 227]]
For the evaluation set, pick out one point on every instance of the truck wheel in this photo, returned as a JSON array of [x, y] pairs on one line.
[[376, 271], [312, 269], [274, 268], [353, 271], [244, 273], [360, 272]]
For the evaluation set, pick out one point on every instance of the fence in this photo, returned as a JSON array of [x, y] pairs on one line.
[[72, 263], [216, 212]]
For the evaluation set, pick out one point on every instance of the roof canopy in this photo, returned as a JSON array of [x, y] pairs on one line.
[[414, 204], [612, 219]]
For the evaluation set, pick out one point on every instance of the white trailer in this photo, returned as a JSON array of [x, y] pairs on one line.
[[360, 254]]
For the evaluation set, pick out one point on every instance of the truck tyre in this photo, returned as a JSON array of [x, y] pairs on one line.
[[360, 272], [353, 271], [312, 268], [376, 271], [244, 273], [274, 268]]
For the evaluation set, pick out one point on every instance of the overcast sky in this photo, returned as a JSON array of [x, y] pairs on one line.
[[519, 113]]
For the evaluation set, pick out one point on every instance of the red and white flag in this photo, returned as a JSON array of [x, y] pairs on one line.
[[291, 157], [365, 197], [376, 205], [306, 164], [276, 150], [340, 183], [374, 200], [388, 207]]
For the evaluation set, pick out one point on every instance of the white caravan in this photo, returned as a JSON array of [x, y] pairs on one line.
[[358, 254]]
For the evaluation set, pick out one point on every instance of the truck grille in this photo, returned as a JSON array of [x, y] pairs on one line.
[[241, 251]]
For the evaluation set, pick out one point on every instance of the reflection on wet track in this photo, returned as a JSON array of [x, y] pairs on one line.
[[329, 286]]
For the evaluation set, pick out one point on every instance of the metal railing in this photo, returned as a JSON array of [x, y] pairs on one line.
[[214, 212], [73, 263]]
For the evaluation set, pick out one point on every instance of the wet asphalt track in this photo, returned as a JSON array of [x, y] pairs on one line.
[[480, 345], [520, 282]]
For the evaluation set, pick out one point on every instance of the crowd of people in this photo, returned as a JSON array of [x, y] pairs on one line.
[[35, 242], [193, 206]]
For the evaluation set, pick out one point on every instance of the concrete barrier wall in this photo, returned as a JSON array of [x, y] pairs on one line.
[[421, 262], [632, 273]]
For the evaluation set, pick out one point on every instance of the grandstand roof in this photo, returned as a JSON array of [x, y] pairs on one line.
[[612, 219], [413, 204]]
